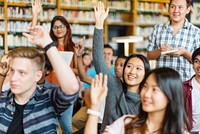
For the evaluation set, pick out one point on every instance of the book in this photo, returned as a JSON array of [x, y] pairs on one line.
[[168, 52]]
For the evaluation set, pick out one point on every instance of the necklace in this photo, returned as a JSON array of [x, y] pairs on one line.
[[153, 132]]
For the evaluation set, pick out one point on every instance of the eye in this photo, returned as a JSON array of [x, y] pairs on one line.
[[22, 73], [139, 68], [172, 6]]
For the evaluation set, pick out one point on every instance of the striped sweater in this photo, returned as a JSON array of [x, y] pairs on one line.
[[40, 113]]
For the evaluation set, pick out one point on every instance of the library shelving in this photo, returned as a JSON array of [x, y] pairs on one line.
[[132, 17]]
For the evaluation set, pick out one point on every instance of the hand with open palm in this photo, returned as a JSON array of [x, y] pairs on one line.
[[100, 14], [99, 91]]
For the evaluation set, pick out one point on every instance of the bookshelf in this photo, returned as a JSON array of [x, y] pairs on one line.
[[149, 13], [129, 15]]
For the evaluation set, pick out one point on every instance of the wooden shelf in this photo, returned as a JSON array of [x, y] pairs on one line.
[[120, 23], [158, 1]]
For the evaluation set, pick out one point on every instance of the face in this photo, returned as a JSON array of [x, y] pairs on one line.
[[59, 29], [196, 65], [152, 97], [134, 72], [23, 77], [178, 10], [108, 55], [119, 65], [86, 60]]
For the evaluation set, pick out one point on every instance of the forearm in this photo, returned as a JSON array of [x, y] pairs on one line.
[[188, 55], [65, 75], [153, 55], [91, 126], [34, 20], [81, 71]]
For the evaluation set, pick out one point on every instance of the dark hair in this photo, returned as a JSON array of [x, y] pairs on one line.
[[68, 43], [188, 2], [195, 54], [122, 56], [108, 46], [144, 60], [175, 119]]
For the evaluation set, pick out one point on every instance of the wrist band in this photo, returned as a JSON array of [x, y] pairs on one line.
[[52, 44], [93, 112]]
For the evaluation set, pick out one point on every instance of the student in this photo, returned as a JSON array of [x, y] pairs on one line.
[[192, 93], [119, 65], [87, 61], [162, 110], [179, 34], [25, 108], [60, 31], [123, 98]]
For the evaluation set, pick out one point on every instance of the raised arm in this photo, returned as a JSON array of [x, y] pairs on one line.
[[36, 9], [79, 50], [65, 75], [99, 91]]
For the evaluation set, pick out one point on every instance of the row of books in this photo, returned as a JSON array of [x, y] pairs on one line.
[[21, 12], [120, 5], [89, 16], [21, 26], [151, 19], [16, 41], [80, 3], [29, 1], [144, 31], [2, 26], [153, 7]]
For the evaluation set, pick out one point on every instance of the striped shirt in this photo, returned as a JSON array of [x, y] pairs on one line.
[[40, 113], [188, 37]]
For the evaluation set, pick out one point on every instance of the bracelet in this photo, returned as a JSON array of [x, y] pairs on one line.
[[52, 44], [78, 55], [4, 75], [93, 112]]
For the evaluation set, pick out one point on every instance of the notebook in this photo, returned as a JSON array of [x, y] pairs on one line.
[[67, 56]]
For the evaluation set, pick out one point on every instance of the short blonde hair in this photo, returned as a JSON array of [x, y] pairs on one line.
[[30, 53]]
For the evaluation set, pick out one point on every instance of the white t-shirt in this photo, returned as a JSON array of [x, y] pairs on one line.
[[196, 105]]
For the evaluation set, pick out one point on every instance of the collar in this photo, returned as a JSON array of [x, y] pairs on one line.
[[189, 82], [185, 25]]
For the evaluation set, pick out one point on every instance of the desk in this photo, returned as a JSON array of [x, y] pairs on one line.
[[126, 40]]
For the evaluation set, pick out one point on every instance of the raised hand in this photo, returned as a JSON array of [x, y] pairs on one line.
[[99, 91], [38, 36], [100, 14], [36, 7], [79, 47]]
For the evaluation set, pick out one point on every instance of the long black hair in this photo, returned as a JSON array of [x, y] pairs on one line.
[[175, 119]]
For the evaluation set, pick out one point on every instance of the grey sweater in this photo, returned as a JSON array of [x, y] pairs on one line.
[[118, 103]]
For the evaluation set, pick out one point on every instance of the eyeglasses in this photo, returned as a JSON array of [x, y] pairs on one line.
[[58, 27]]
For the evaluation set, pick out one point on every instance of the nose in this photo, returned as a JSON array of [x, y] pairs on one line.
[[13, 76], [133, 70], [147, 93]]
